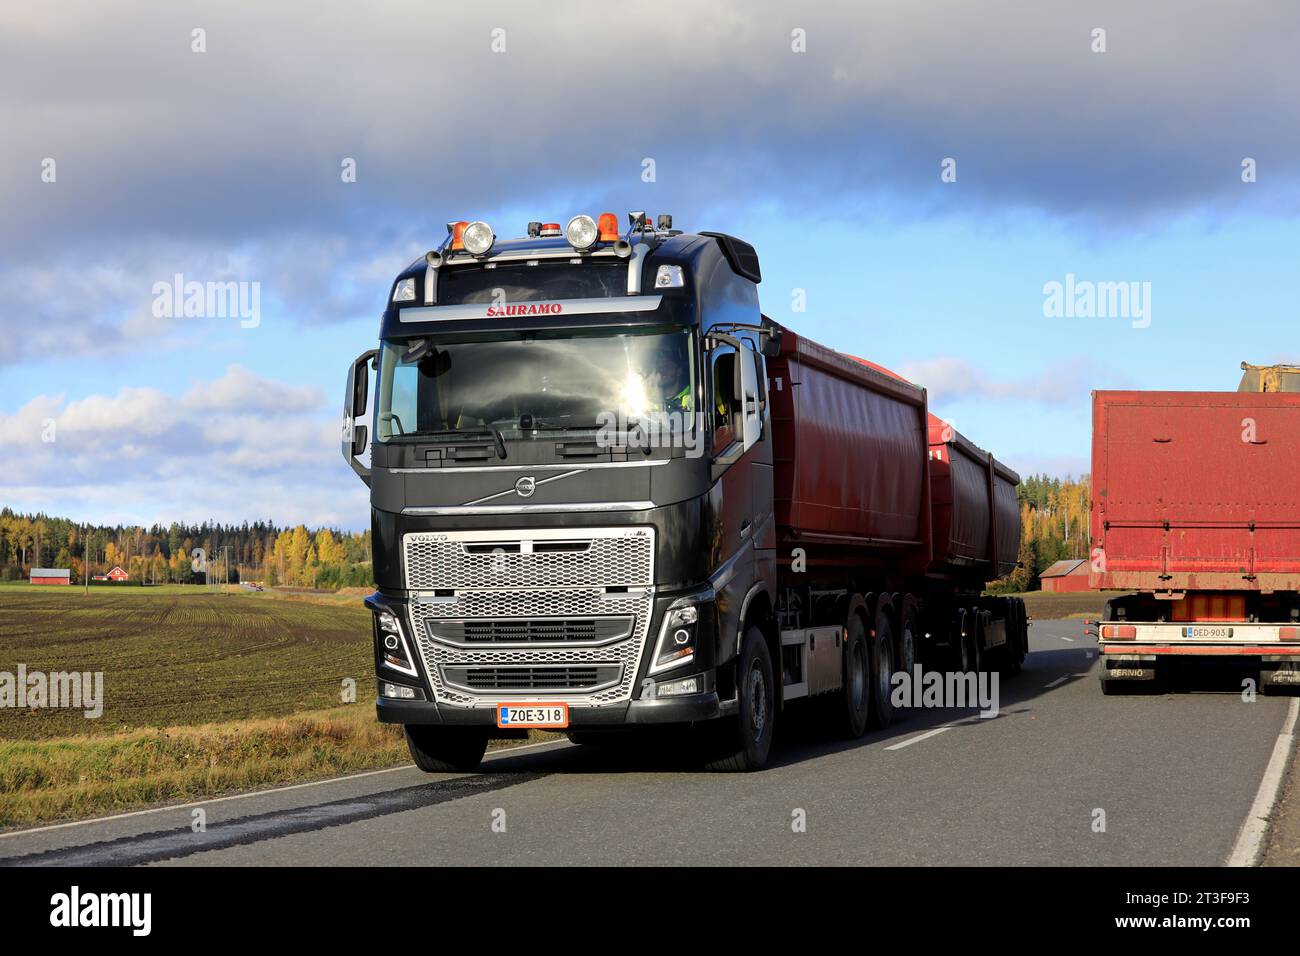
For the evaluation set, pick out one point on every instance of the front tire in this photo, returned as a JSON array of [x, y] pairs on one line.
[[742, 743], [446, 749]]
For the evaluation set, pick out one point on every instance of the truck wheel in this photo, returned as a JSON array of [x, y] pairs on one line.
[[852, 705], [742, 743], [908, 638], [446, 749], [882, 669]]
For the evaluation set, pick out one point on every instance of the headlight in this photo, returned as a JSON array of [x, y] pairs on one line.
[[581, 232], [404, 291], [393, 651], [676, 644], [478, 238]]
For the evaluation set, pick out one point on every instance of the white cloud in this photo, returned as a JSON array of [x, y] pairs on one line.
[[948, 378], [237, 447]]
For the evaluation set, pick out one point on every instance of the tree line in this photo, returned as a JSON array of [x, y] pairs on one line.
[[258, 551]]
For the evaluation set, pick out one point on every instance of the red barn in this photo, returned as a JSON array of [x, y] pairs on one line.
[[117, 574], [1069, 575], [51, 576]]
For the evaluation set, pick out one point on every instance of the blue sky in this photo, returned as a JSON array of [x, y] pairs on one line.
[[224, 164]]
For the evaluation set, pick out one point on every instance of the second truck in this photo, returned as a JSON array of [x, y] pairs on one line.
[[607, 493], [1195, 505]]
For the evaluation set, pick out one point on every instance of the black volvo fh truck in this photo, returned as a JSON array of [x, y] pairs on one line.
[[570, 482], [568, 439]]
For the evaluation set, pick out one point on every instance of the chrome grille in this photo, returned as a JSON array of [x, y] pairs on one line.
[[533, 679], [541, 630], [546, 558], [578, 613]]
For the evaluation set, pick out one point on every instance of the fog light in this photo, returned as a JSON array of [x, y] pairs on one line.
[[678, 688], [392, 642], [401, 692]]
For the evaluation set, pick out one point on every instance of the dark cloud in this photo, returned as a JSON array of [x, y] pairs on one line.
[[239, 148]]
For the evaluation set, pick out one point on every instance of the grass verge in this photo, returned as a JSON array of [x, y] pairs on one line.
[[73, 777]]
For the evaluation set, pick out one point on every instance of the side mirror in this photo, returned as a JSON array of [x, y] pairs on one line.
[[770, 342], [751, 414], [356, 410]]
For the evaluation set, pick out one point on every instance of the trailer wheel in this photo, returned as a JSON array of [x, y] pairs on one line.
[[446, 749], [852, 705], [742, 743], [882, 670]]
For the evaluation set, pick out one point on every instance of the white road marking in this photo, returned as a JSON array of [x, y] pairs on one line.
[[1062, 679], [918, 738], [503, 752], [1250, 840], [1070, 639]]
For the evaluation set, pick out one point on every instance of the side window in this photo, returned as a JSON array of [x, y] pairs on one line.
[[723, 409]]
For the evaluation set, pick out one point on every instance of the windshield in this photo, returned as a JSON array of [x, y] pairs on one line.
[[531, 381]]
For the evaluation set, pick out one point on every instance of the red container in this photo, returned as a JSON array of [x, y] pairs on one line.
[[864, 470], [975, 514], [849, 450], [1196, 491]]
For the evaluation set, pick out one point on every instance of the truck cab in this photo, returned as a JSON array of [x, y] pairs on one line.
[[567, 442]]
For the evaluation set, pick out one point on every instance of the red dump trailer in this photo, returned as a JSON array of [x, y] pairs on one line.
[[882, 505], [1196, 509]]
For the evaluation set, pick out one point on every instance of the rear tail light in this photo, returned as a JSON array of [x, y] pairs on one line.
[[1118, 632], [1288, 633]]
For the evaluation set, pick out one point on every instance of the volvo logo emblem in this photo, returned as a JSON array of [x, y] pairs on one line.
[[525, 486]]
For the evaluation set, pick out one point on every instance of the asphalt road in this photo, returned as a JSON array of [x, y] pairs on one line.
[[1175, 775]]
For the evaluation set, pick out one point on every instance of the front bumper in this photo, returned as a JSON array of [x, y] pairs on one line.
[[669, 710], [640, 705]]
